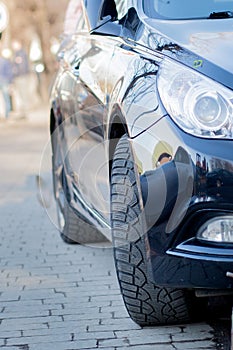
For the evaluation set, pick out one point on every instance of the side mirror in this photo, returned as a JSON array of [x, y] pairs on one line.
[[103, 19], [100, 12], [109, 28]]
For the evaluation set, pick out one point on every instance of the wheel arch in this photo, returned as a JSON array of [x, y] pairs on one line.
[[52, 121], [118, 127]]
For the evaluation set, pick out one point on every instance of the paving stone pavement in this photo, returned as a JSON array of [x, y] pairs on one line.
[[54, 296]]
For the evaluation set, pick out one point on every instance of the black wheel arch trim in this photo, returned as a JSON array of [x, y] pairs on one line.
[[118, 127]]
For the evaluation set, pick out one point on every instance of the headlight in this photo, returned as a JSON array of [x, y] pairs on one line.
[[199, 105]]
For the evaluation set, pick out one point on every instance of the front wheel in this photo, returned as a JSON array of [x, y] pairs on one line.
[[147, 304]]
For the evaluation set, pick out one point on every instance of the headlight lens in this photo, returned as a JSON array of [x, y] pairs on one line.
[[199, 105]]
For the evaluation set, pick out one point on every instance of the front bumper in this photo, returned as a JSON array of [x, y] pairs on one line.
[[179, 195]]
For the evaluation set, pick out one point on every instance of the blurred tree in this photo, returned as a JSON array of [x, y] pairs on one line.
[[30, 18]]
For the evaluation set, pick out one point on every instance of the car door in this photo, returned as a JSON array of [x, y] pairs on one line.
[[86, 153], [90, 164]]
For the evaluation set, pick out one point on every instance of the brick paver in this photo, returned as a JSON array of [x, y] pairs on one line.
[[54, 296]]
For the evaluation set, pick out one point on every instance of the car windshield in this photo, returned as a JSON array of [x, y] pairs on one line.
[[184, 9]]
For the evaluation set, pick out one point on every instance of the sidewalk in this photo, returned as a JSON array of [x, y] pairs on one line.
[[40, 114]]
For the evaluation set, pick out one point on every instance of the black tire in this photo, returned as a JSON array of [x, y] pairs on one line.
[[146, 303], [68, 232], [73, 228], [78, 231]]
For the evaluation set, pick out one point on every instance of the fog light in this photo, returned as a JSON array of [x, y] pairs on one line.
[[219, 229]]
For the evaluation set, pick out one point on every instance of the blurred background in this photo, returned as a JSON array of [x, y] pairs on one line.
[[28, 48]]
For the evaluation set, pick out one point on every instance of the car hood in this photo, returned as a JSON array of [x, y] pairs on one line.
[[208, 42]]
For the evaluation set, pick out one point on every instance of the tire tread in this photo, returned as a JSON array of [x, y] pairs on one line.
[[146, 303]]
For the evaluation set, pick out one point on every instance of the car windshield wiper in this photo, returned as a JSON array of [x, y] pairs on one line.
[[219, 15]]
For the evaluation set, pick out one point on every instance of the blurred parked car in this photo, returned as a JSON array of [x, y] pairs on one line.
[[141, 128]]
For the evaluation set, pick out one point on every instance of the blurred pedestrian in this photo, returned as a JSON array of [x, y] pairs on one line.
[[6, 78], [20, 60], [21, 76]]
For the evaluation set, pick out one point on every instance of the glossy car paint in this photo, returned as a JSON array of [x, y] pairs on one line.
[[107, 86]]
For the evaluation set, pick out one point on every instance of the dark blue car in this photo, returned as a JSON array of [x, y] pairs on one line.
[[142, 140]]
